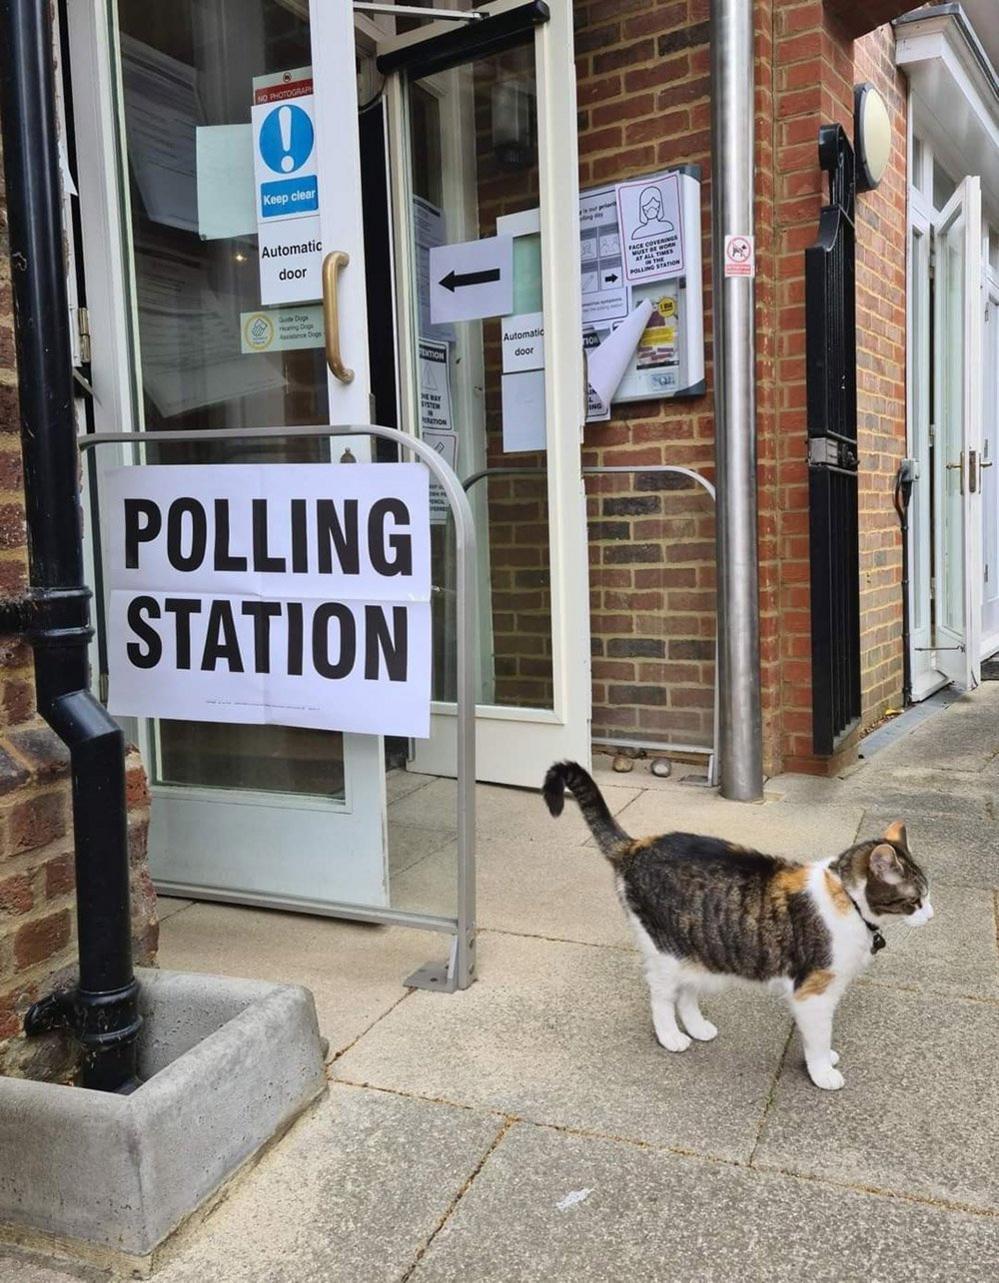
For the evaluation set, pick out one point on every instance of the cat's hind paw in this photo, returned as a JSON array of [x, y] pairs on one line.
[[826, 1077], [834, 1057]]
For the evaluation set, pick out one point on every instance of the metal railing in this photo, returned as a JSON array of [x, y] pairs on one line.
[[711, 752], [831, 367], [459, 971]]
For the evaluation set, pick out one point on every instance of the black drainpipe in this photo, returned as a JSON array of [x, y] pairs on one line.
[[102, 1012]]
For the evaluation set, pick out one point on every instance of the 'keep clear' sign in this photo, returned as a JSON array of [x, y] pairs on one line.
[[285, 594]]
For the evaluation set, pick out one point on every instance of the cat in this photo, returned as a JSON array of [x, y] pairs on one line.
[[706, 912]]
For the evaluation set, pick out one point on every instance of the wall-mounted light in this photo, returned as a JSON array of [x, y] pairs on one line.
[[514, 115], [871, 136]]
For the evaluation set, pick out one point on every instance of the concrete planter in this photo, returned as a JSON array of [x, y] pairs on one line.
[[227, 1064]]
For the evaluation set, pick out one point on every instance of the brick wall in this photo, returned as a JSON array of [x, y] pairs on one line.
[[644, 104], [37, 909], [644, 100], [806, 72]]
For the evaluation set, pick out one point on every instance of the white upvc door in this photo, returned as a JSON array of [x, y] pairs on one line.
[[265, 815], [447, 132], [990, 468], [957, 418]]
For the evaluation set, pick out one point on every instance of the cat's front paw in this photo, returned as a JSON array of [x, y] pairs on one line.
[[826, 1077], [702, 1030], [834, 1057], [674, 1042]]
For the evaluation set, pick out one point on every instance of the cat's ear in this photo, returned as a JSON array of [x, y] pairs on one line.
[[885, 864], [895, 832]]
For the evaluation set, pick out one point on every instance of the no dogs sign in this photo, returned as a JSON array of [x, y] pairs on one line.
[[289, 594]]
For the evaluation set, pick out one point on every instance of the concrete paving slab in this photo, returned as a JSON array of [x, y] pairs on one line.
[[919, 1114], [355, 971], [408, 845], [964, 737], [399, 782], [912, 792], [543, 887], [957, 850], [955, 954], [595, 1211], [511, 814], [805, 831], [561, 1033], [17, 1266], [349, 1196], [167, 906]]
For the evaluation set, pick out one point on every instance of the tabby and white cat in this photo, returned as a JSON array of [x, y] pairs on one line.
[[706, 912]]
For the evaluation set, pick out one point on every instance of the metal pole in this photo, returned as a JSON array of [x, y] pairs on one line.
[[733, 113], [102, 1012]]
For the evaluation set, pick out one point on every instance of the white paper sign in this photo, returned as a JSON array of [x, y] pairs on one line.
[[272, 594], [524, 342], [471, 279], [523, 399], [605, 292], [651, 228], [287, 190], [435, 385], [446, 445], [740, 256], [606, 364]]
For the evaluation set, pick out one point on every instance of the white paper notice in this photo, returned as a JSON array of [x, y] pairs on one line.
[[523, 411], [225, 181], [446, 445], [272, 594], [435, 385], [606, 364], [287, 191], [524, 342], [605, 293], [651, 228], [471, 279]]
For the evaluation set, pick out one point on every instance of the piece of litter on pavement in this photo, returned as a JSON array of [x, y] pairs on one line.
[[572, 1198]]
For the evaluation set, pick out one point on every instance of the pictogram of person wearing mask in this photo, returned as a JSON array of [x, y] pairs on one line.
[[652, 216]]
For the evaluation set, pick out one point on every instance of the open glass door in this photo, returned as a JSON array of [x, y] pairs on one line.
[[990, 464], [483, 146], [184, 338], [957, 445]]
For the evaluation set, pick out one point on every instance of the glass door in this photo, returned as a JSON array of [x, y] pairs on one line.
[[957, 378], [205, 315], [483, 163], [990, 465]]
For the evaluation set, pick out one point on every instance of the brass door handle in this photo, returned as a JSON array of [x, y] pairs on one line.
[[333, 265]]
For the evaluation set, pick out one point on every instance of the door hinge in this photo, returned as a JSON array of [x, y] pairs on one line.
[[986, 572], [83, 332]]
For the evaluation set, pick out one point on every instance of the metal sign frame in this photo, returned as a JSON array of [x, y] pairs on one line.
[[459, 970]]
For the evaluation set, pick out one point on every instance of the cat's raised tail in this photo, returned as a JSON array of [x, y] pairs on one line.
[[611, 838]]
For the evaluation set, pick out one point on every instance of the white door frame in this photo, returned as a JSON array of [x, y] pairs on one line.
[[990, 456], [516, 745], [351, 832]]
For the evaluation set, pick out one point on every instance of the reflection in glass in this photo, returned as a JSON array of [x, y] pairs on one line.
[[206, 357]]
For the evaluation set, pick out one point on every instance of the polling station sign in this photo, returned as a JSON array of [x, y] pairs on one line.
[[282, 594]]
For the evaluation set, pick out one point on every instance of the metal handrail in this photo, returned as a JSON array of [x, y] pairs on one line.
[[597, 470], [460, 970]]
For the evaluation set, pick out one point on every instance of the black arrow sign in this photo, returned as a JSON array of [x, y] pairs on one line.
[[455, 279], [610, 278]]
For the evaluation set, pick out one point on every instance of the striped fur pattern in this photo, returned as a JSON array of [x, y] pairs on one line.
[[707, 912]]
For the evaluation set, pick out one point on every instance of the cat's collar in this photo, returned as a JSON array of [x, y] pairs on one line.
[[877, 938]]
